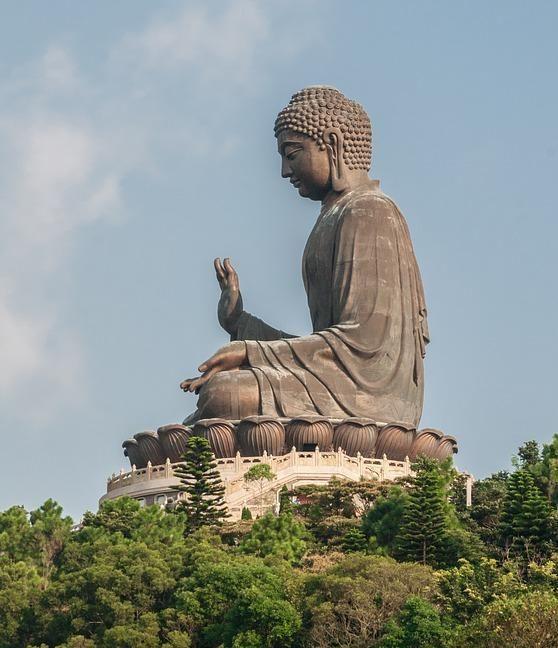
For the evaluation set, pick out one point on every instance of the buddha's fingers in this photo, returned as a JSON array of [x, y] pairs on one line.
[[198, 383], [220, 272], [186, 383], [231, 274]]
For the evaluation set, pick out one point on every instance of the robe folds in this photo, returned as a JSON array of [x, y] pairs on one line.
[[364, 357]]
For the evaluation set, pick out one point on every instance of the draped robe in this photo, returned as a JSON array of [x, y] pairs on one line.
[[364, 357]]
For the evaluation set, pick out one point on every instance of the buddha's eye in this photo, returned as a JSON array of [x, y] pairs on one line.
[[292, 154]]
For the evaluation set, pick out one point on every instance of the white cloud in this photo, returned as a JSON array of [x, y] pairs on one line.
[[56, 177], [221, 46], [67, 142], [58, 69], [59, 180]]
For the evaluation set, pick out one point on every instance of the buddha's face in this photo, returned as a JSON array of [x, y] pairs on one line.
[[305, 164]]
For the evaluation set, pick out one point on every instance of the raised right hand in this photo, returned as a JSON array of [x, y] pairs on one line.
[[230, 303]]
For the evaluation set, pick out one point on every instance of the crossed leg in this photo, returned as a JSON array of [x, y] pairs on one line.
[[231, 395]]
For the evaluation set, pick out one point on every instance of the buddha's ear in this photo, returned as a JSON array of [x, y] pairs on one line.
[[333, 140]]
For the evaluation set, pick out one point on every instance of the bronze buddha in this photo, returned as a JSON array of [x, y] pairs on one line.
[[364, 357]]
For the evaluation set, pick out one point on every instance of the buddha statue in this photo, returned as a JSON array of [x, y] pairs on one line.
[[364, 356]]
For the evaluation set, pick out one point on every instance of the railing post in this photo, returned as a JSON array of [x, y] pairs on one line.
[[339, 456], [168, 469], [469, 490], [360, 468], [149, 470], [237, 462], [317, 456], [265, 458], [294, 456], [407, 466], [385, 466], [133, 475]]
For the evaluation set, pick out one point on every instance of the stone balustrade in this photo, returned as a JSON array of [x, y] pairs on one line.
[[292, 469]]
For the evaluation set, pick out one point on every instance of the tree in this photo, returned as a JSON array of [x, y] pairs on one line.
[[236, 600], [282, 536], [526, 519], [19, 590], [382, 521], [424, 523], [246, 513], [50, 531], [354, 540], [201, 483], [527, 621], [348, 604], [488, 500], [529, 454], [548, 470], [418, 626], [16, 535], [465, 590], [285, 502], [126, 516], [259, 474]]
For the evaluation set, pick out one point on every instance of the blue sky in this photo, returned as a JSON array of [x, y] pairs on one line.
[[136, 143]]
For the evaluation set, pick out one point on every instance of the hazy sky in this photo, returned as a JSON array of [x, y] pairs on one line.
[[136, 143]]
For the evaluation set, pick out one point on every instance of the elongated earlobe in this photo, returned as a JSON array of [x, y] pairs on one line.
[[333, 139]]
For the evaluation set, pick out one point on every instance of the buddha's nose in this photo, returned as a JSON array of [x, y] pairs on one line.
[[286, 171]]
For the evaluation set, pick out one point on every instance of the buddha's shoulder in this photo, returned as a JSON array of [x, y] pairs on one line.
[[368, 201]]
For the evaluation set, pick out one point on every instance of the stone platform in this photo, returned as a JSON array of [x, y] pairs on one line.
[[156, 484]]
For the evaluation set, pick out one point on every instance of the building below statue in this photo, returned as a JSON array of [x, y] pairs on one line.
[[158, 485], [300, 451]]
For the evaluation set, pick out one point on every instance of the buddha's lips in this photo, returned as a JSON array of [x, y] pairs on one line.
[[295, 182]]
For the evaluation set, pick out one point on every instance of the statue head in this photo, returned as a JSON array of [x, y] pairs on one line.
[[325, 141]]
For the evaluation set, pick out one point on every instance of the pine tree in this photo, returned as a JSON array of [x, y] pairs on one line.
[[424, 522], [354, 541], [246, 513], [526, 518], [201, 483]]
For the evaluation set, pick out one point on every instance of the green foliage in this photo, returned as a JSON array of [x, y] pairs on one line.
[[129, 518], [526, 621], [488, 500], [466, 589], [424, 523], [526, 519], [150, 578], [259, 474], [285, 502], [16, 536], [19, 591], [354, 540], [50, 531], [546, 472], [336, 499], [349, 603], [246, 513], [235, 601], [109, 586], [259, 471], [529, 454], [418, 626], [381, 522], [201, 483], [280, 536]]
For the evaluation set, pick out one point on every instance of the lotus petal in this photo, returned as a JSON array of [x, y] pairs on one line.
[[173, 438], [307, 432], [220, 434], [356, 435], [257, 434], [150, 447]]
